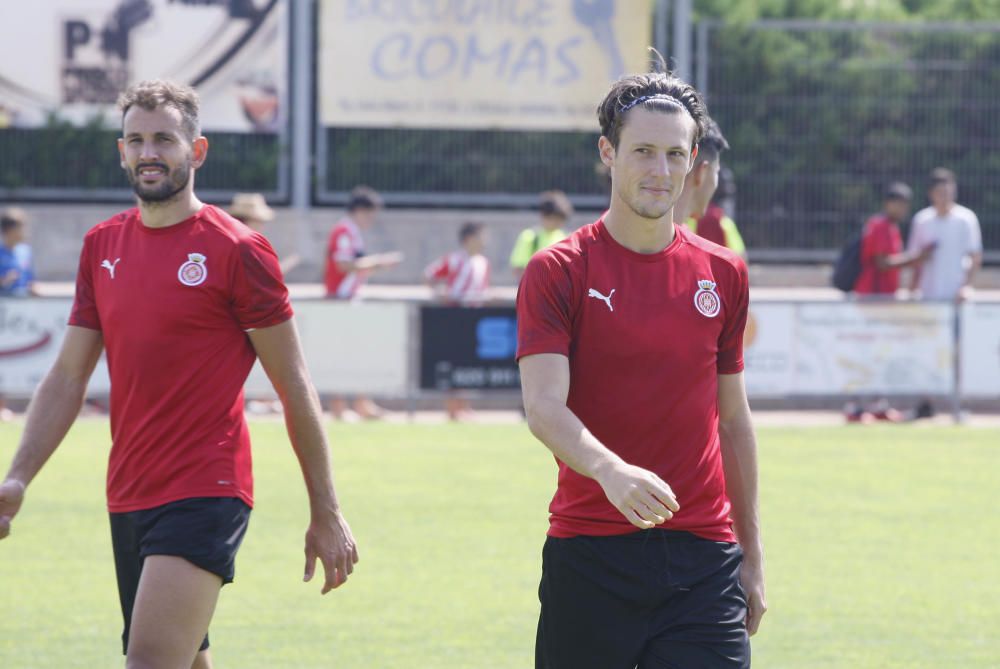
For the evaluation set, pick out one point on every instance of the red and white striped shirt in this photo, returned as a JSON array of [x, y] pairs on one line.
[[467, 278], [345, 244]]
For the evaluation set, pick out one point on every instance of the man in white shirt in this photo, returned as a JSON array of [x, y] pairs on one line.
[[953, 231]]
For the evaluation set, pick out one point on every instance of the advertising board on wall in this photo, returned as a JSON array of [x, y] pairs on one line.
[[850, 348], [71, 58], [468, 348], [980, 346], [521, 64], [31, 334]]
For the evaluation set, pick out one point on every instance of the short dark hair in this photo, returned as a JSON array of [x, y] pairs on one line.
[[898, 190], [12, 218], [657, 91], [712, 144], [154, 93], [469, 229], [941, 175], [555, 203], [364, 197]]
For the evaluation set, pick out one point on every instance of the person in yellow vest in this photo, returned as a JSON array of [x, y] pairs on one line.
[[555, 210]]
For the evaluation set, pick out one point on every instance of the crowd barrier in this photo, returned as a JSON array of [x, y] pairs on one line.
[[402, 349]]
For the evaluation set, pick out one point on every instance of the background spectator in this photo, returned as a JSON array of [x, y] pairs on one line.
[[697, 208], [347, 268], [462, 277], [882, 253], [555, 210], [16, 274], [954, 232], [252, 209], [347, 264]]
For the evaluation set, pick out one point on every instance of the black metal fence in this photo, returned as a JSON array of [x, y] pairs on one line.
[[65, 162], [821, 116]]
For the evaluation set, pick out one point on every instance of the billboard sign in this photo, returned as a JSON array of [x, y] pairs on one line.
[[529, 64], [71, 58]]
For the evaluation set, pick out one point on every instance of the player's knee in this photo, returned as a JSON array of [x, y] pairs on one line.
[[152, 657]]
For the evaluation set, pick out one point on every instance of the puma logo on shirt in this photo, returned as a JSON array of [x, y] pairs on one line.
[[110, 266], [605, 298]]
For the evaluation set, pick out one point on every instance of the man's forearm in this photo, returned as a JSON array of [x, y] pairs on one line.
[[53, 409], [976, 261], [739, 462], [305, 430], [568, 438]]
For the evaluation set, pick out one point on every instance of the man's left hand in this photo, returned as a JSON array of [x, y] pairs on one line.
[[329, 540], [752, 580]]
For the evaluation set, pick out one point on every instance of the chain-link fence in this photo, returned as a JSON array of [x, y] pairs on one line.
[[470, 168], [822, 115]]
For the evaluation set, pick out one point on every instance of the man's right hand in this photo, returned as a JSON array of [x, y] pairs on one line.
[[11, 497], [639, 494]]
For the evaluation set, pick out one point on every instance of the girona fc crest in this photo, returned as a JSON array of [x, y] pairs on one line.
[[193, 272], [706, 300]]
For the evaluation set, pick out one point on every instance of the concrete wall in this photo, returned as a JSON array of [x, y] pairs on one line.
[[422, 235]]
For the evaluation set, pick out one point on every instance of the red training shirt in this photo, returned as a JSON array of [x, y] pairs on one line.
[[174, 305], [345, 244], [880, 237], [646, 337]]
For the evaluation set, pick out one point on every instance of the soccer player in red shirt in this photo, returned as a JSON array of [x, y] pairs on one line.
[[631, 356], [183, 298], [882, 254]]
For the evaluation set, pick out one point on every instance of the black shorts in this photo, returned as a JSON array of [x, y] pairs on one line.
[[655, 599], [205, 531]]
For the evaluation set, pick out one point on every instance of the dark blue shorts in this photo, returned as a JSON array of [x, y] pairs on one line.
[[654, 599], [205, 531]]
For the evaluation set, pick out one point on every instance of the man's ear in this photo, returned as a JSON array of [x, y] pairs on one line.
[[693, 160], [697, 173], [199, 151], [607, 151], [121, 152]]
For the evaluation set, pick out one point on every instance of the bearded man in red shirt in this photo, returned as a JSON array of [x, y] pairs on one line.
[[184, 298]]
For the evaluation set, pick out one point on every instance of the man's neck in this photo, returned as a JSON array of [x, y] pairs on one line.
[[171, 212], [683, 208], [944, 209], [636, 233]]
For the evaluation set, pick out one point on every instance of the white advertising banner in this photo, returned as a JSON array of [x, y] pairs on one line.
[[874, 349], [71, 58], [31, 333], [350, 348], [980, 346], [769, 350], [521, 64], [852, 348]]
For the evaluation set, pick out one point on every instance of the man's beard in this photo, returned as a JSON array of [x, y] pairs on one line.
[[652, 212], [174, 182]]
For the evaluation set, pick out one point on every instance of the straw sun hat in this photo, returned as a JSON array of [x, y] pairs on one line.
[[248, 206]]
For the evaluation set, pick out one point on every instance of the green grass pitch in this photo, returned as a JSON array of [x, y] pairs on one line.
[[883, 551]]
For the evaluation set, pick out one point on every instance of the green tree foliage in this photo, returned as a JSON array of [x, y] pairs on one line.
[[821, 119]]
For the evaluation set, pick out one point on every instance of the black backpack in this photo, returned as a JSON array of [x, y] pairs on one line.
[[847, 267]]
